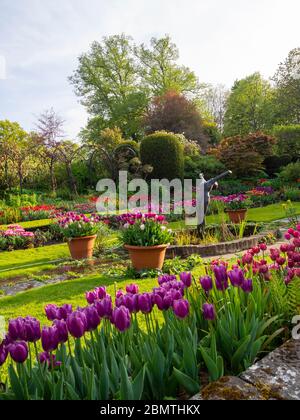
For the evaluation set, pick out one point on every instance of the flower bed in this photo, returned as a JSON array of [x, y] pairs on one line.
[[15, 237], [220, 323]]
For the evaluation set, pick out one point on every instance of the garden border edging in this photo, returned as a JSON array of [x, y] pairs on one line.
[[221, 248]]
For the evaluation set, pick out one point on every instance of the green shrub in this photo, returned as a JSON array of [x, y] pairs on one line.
[[164, 152], [288, 140], [208, 165], [292, 194], [231, 186], [291, 173], [273, 164]]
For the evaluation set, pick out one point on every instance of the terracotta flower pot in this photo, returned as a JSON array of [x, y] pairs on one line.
[[237, 216], [147, 257], [82, 248]]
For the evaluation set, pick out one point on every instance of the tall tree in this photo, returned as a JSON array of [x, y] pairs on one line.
[[173, 112], [49, 130], [161, 72], [116, 81], [215, 101], [68, 151], [108, 82], [250, 106], [14, 152], [287, 80]]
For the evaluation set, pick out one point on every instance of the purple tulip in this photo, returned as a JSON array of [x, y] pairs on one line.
[[51, 312], [18, 351], [16, 329], [206, 283], [145, 303], [176, 294], [50, 338], [247, 286], [101, 292], [63, 312], [92, 317], [62, 330], [209, 312], [121, 318], [186, 279], [77, 324], [181, 308], [91, 297], [165, 278], [130, 302], [32, 329], [104, 307], [132, 289], [221, 277], [236, 277], [158, 301], [3, 354]]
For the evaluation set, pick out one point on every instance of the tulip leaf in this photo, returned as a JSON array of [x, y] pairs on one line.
[[189, 384], [240, 353], [138, 385], [16, 383], [126, 392]]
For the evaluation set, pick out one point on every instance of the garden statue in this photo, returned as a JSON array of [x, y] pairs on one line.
[[208, 187]]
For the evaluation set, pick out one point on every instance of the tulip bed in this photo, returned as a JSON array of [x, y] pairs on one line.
[[116, 347]]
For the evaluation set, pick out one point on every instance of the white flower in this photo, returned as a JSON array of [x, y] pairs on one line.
[[126, 226], [163, 228], [170, 231], [142, 227]]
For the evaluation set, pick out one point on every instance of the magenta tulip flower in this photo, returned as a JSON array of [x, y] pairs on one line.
[[186, 279], [62, 330], [236, 277], [3, 354], [16, 329], [92, 317], [121, 318], [209, 312], [77, 324], [181, 308], [206, 283], [132, 289], [247, 286], [145, 303], [50, 338], [32, 329], [18, 351]]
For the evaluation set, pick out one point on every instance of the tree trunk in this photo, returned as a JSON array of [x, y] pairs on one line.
[[72, 180], [52, 175]]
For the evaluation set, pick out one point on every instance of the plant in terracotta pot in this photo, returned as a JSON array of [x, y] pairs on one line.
[[237, 206], [81, 232], [146, 238]]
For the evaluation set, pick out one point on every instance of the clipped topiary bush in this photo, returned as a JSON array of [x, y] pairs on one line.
[[164, 152]]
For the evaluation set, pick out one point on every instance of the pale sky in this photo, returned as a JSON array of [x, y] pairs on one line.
[[220, 40]]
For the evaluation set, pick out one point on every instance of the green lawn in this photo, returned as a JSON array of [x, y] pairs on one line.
[[32, 224], [31, 260], [262, 214]]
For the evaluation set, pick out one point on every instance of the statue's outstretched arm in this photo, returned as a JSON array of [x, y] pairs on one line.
[[212, 181]]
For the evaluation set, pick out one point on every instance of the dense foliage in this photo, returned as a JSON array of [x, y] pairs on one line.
[[164, 152]]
